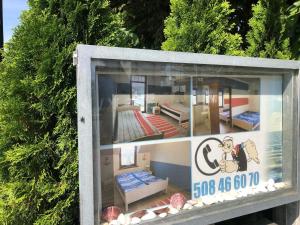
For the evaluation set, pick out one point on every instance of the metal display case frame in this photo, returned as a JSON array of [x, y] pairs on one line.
[[88, 59]]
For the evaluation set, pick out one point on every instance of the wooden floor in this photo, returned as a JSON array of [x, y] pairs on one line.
[[226, 128], [150, 201], [202, 129]]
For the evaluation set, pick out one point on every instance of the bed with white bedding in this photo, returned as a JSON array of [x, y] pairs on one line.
[[177, 111], [139, 184]]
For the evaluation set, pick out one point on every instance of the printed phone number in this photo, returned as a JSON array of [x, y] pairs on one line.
[[225, 184]]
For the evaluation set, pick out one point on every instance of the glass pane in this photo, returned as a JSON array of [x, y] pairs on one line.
[[127, 156], [138, 95], [192, 130], [152, 105]]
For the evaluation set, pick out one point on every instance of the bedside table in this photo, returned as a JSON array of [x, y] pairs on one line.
[[156, 110]]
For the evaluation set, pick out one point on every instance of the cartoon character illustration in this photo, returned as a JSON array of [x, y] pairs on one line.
[[234, 158]]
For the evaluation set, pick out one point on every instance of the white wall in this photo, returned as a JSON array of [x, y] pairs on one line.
[[236, 93], [254, 103], [171, 99], [143, 159], [175, 153]]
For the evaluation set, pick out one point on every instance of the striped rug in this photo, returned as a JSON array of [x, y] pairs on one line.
[[163, 126]]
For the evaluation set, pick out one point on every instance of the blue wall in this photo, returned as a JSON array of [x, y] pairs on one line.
[[178, 175]]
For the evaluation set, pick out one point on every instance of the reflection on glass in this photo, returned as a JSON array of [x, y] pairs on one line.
[[160, 171], [238, 118], [225, 105], [140, 107]]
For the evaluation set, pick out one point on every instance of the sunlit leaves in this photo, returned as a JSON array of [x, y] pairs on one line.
[[201, 26], [38, 120]]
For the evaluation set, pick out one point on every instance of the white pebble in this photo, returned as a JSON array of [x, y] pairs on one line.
[[262, 188], [127, 219], [149, 216], [173, 210], [199, 204], [208, 200], [121, 219], [114, 222], [162, 215], [279, 185], [219, 198], [228, 197], [271, 182], [187, 206], [192, 202], [135, 220], [271, 188]]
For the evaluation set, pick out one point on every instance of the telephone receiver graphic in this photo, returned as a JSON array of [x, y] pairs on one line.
[[212, 165]]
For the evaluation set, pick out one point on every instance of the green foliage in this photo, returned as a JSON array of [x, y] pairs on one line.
[[240, 17], [294, 9], [201, 26], [145, 18], [267, 36], [294, 28], [38, 142]]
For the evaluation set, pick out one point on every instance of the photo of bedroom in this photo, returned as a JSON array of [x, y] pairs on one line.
[[134, 178], [138, 108], [225, 105]]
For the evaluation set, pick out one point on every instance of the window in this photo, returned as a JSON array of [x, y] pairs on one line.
[[206, 96], [138, 90], [221, 98], [127, 157], [194, 97]]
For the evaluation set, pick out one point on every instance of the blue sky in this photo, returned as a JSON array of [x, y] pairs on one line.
[[11, 13]]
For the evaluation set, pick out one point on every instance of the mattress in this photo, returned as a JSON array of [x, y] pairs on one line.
[[182, 110], [252, 118], [225, 114], [133, 180]]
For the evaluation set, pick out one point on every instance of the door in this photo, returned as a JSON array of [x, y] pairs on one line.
[[138, 92]]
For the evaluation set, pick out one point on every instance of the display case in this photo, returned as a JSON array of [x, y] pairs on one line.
[[185, 138]]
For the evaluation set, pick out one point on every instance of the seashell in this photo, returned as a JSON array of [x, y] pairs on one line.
[[177, 200], [135, 220], [187, 206], [160, 211], [139, 214], [114, 222], [192, 202], [149, 216], [173, 210], [162, 215], [111, 213]]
